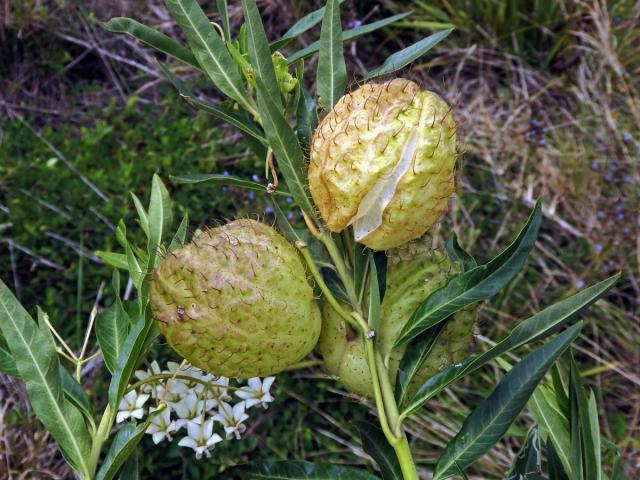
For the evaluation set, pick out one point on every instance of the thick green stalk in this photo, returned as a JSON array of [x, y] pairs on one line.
[[101, 436]]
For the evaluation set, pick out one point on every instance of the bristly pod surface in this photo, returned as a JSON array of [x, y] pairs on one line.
[[413, 274], [236, 301], [383, 160]]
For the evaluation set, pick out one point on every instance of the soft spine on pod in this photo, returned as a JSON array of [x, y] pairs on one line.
[[236, 301]]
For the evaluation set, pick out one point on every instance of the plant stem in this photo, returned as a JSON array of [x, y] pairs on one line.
[[407, 465], [104, 428]]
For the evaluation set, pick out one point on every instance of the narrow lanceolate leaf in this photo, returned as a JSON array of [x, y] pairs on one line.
[[243, 124], [7, 363], [37, 362], [294, 470], [331, 77], [376, 445], [286, 149], [180, 237], [223, 11], [218, 179], [160, 219], [307, 22], [537, 327], [143, 216], [491, 419], [208, 48], [130, 354], [349, 35], [554, 466], [306, 110], [124, 444], [478, 284], [407, 55], [593, 428], [259, 52], [112, 327], [528, 463], [153, 38], [582, 419], [75, 393], [459, 255]]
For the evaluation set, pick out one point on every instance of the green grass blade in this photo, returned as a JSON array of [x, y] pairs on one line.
[[37, 362], [491, 419], [478, 284], [286, 149], [331, 77], [209, 49], [259, 52], [407, 55], [536, 327], [349, 35], [237, 121], [218, 179], [153, 38]]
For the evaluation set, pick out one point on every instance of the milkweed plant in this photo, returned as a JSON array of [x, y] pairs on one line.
[[371, 168]]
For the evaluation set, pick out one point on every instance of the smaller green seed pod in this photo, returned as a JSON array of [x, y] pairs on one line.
[[383, 160], [236, 301], [413, 274]]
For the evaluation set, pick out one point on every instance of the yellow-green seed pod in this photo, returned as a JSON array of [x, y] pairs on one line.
[[383, 160], [236, 301], [413, 274]]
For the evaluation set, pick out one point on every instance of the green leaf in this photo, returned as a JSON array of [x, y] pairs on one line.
[[218, 179], [331, 77], [616, 469], [374, 296], [246, 126], [124, 444], [153, 38], [112, 327], [209, 49], [554, 465], [376, 445], [115, 260], [75, 393], [413, 358], [534, 328], [459, 255], [480, 283], [306, 23], [348, 35], [135, 269], [295, 470], [130, 354], [121, 234], [223, 11], [286, 149], [593, 429], [180, 237], [143, 217], [306, 110], [7, 363], [407, 55], [528, 463], [160, 219], [259, 52], [39, 367], [491, 419]]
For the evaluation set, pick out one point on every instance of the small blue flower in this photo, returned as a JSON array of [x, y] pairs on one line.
[[289, 200], [252, 195], [224, 189], [626, 138], [608, 176], [621, 216], [626, 230], [628, 179], [595, 165], [580, 284], [225, 173], [255, 178], [290, 216], [542, 141], [600, 214], [619, 207], [617, 19], [613, 165], [598, 247], [268, 210]]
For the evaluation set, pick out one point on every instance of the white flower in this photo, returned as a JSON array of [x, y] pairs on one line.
[[192, 409], [218, 389], [257, 392], [173, 392], [144, 374], [232, 418], [200, 438], [161, 426], [131, 406]]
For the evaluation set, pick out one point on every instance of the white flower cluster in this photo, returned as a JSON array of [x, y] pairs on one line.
[[193, 405]]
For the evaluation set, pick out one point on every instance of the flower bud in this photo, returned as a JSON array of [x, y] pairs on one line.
[[383, 160], [236, 301], [410, 281]]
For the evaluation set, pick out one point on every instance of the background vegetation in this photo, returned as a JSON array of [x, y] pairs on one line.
[[546, 95]]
